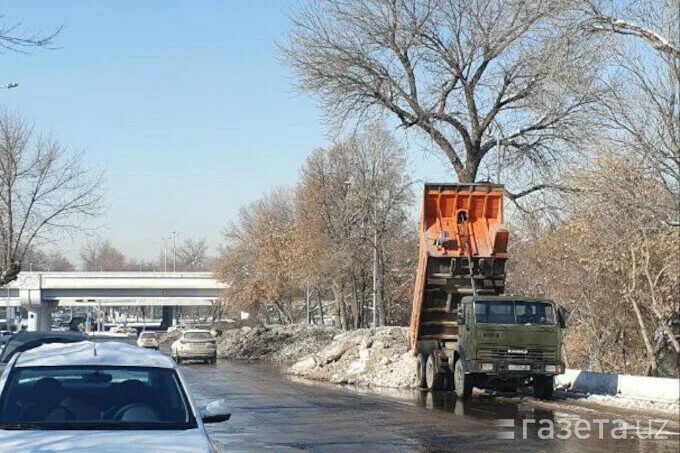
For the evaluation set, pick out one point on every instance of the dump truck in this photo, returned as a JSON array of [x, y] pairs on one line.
[[464, 331]]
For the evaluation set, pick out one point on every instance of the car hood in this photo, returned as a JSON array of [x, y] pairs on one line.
[[74, 441]]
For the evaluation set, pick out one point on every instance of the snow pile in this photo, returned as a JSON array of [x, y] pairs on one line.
[[661, 390], [276, 343], [167, 338], [369, 357]]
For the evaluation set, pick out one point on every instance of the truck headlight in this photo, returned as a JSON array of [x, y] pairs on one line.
[[557, 369], [484, 367]]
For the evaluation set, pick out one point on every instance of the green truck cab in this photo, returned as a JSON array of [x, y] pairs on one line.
[[507, 342]]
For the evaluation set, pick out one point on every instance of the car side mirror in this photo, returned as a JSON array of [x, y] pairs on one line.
[[215, 412], [562, 315]]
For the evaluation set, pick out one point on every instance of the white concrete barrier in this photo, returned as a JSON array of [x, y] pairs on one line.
[[638, 387]]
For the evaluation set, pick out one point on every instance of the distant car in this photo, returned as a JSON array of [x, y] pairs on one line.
[[5, 336], [195, 344], [23, 341], [148, 340], [81, 396]]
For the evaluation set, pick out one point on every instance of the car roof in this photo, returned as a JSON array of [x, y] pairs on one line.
[[109, 353], [30, 336]]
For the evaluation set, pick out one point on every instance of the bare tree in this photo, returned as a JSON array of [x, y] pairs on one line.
[[470, 75], [59, 263], [192, 255], [255, 258], [351, 207], [44, 190], [14, 38], [655, 22], [38, 260], [644, 108], [102, 256]]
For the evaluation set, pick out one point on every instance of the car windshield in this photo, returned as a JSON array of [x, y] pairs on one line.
[[197, 336], [148, 336], [514, 312], [20, 343], [94, 398]]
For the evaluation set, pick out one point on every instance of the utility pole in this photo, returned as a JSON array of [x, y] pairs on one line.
[[7, 310], [499, 153], [307, 302], [375, 261]]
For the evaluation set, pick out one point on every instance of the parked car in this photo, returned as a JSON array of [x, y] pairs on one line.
[[5, 336], [23, 341], [80, 396], [195, 344], [148, 340]]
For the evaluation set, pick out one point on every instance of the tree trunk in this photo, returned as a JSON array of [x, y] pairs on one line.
[[652, 367], [284, 316], [357, 306], [320, 302], [382, 307], [340, 315]]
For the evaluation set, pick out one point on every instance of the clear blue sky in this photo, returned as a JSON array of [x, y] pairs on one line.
[[186, 105]]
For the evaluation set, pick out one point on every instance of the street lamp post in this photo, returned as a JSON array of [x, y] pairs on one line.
[[174, 251], [165, 254]]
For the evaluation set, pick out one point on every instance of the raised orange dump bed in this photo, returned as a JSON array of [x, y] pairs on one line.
[[463, 249]]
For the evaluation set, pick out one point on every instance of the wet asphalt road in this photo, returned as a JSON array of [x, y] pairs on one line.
[[271, 412]]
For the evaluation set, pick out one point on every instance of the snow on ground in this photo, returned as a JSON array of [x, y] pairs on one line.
[[283, 344], [368, 357], [628, 404]]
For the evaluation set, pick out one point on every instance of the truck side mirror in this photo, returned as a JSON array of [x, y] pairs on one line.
[[562, 315]]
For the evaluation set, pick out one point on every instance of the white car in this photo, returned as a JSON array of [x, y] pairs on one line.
[[195, 344], [103, 397], [148, 340]]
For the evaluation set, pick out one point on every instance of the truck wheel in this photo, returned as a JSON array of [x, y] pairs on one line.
[[433, 379], [462, 382], [543, 387], [421, 364]]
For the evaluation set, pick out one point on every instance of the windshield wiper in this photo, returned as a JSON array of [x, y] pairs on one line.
[[19, 426]]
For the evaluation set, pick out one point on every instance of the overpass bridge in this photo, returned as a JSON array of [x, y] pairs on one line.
[[41, 292]]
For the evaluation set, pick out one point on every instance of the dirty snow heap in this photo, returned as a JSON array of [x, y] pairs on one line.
[[369, 357]]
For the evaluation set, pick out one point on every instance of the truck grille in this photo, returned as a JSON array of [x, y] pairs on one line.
[[503, 354]]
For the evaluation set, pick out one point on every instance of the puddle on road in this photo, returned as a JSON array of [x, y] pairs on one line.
[[511, 410]]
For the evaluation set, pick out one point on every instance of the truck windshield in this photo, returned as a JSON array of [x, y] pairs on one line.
[[514, 312]]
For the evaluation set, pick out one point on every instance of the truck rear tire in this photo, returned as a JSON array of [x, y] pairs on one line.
[[421, 364], [543, 387], [434, 380], [462, 382]]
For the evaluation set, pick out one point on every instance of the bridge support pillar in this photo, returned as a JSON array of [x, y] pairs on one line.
[[168, 315], [40, 316]]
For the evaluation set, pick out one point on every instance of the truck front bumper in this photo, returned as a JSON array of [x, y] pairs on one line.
[[514, 368]]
